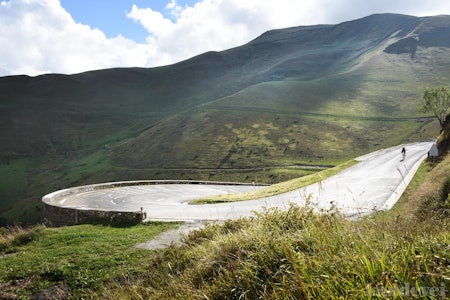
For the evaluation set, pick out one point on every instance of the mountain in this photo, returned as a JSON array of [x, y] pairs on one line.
[[296, 96]]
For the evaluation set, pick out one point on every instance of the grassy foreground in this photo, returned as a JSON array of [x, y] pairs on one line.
[[294, 254]]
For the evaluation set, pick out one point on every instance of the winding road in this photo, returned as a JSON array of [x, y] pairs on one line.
[[375, 183]]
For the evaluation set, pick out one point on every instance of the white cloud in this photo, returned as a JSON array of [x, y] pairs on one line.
[[38, 36], [217, 24]]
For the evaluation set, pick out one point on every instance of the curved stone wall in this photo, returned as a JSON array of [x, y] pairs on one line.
[[56, 215]]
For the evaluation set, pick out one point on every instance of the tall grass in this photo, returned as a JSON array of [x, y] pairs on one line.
[[299, 254]]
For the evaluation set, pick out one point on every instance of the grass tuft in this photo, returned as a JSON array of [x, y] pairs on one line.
[[16, 236]]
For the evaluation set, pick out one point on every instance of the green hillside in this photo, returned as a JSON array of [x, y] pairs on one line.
[[309, 95]]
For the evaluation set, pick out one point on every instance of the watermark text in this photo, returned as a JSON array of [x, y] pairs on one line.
[[410, 290]]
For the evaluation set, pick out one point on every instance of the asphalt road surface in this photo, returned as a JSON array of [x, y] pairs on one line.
[[374, 183]]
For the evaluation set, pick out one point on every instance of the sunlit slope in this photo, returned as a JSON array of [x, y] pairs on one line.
[[370, 99]]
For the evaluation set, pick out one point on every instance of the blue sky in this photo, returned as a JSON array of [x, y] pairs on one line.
[[110, 15], [72, 36]]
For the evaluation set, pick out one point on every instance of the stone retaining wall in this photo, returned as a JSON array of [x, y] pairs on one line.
[[55, 215]]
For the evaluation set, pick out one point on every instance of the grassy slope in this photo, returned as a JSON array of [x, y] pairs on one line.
[[84, 257], [278, 255], [287, 122], [367, 103]]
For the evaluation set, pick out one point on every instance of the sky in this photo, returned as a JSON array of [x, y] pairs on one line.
[[73, 36]]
